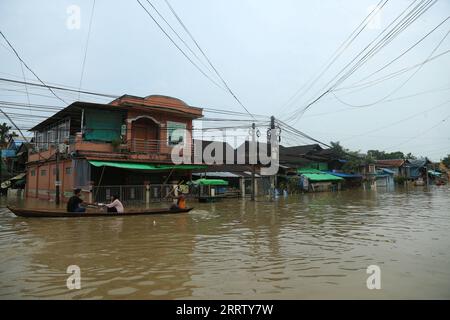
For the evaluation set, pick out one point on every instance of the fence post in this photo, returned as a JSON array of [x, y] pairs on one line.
[[147, 193], [91, 191], [175, 190]]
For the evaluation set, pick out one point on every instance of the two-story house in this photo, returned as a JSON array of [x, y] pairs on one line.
[[125, 142]]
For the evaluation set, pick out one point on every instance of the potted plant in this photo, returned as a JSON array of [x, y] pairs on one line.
[[116, 144]]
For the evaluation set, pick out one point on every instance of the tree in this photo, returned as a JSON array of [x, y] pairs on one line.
[[338, 150], [354, 160], [4, 134], [410, 156], [446, 161], [382, 155]]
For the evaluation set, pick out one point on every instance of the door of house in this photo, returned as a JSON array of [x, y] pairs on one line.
[[145, 136]]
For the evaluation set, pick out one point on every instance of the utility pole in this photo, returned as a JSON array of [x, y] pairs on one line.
[[253, 165], [57, 182], [269, 144], [1, 163]]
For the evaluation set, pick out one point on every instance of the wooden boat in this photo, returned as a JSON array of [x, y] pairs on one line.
[[58, 213]]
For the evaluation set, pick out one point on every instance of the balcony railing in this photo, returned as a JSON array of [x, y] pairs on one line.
[[143, 146]]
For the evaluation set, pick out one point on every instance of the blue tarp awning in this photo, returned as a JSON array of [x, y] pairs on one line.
[[387, 171]]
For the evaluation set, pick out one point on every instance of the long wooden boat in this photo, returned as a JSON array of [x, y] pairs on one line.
[[58, 213]]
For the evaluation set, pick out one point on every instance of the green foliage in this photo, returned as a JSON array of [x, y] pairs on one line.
[[410, 156], [382, 155], [116, 143], [446, 161], [399, 179], [338, 150], [355, 160], [293, 184], [4, 133]]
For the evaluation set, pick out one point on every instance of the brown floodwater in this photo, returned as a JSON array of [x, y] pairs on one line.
[[300, 247]]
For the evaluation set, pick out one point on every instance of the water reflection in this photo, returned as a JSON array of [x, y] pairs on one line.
[[305, 246]]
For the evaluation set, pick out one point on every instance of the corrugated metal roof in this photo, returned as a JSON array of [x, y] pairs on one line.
[[387, 171], [218, 174], [321, 177], [344, 175]]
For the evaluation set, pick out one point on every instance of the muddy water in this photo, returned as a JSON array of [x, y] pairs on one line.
[[308, 246]]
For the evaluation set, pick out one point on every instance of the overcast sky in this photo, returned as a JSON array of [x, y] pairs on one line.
[[265, 50]]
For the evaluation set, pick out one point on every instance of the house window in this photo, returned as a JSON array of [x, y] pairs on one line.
[[176, 133], [43, 173], [33, 173], [68, 170]]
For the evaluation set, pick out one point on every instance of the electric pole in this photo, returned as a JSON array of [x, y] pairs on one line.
[[269, 144], [252, 149], [57, 182]]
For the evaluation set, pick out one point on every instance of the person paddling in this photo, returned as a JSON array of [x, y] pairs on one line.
[[74, 203], [115, 205]]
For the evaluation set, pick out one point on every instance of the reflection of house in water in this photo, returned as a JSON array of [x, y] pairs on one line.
[[126, 142]]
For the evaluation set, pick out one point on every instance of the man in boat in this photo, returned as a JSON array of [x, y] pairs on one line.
[[181, 203], [73, 205], [115, 205]]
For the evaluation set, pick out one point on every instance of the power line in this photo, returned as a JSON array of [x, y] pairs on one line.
[[177, 46], [206, 57], [407, 50], [87, 46], [21, 60], [178, 36], [59, 88], [388, 100], [340, 50], [400, 86], [398, 121], [421, 133], [390, 75], [371, 49]]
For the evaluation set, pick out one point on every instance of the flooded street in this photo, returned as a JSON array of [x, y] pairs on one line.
[[301, 247]]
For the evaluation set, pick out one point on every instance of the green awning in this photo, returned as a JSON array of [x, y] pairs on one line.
[[145, 166], [321, 177], [308, 170], [211, 182]]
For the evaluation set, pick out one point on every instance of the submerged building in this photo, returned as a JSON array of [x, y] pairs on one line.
[[127, 142]]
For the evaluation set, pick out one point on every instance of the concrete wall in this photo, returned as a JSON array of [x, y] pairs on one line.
[[41, 180]]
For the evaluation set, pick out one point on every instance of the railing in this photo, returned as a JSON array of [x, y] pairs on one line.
[[127, 194], [150, 148], [134, 194], [143, 146]]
